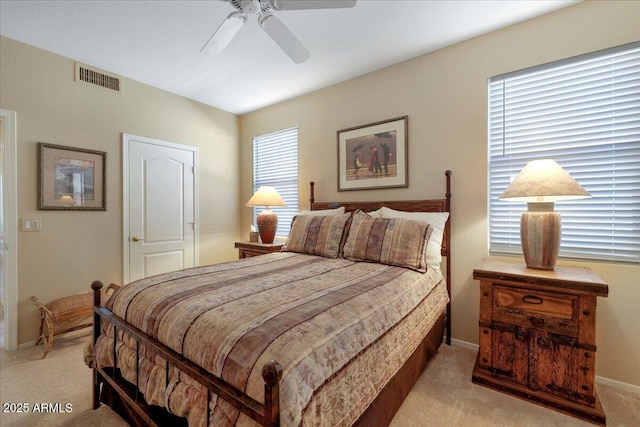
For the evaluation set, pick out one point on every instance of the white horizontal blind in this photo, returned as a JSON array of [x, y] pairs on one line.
[[275, 163], [585, 114]]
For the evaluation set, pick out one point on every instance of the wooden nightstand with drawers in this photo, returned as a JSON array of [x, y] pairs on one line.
[[537, 335], [249, 249]]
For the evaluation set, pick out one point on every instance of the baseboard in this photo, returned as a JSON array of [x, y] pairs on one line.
[[617, 384], [61, 337], [464, 344], [599, 380], [26, 344]]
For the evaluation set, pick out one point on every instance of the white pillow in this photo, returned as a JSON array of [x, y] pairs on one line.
[[433, 250], [324, 212], [375, 214]]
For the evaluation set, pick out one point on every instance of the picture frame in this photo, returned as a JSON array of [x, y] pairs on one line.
[[71, 178], [374, 156]]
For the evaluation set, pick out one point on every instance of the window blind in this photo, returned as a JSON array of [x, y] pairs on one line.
[[275, 163], [585, 114]]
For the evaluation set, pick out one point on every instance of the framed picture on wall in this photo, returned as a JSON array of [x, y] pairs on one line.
[[71, 178], [374, 156]]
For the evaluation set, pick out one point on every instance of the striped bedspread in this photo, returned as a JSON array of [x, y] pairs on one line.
[[339, 328]]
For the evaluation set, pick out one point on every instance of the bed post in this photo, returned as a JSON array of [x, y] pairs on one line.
[[312, 197], [448, 242], [96, 286], [272, 374]]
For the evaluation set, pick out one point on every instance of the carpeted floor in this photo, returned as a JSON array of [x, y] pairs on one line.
[[443, 396]]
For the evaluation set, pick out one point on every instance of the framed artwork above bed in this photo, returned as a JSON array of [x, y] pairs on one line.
[[374, 155]]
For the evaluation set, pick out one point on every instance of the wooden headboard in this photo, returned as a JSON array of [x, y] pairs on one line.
[[432, 205]]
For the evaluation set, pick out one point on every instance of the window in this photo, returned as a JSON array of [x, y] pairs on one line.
[[275, 163], [584, 113]]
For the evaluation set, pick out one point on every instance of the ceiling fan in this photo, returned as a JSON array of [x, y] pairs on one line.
[[273, 26]]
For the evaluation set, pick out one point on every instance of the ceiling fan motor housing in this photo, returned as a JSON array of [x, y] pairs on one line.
[[251, 7]]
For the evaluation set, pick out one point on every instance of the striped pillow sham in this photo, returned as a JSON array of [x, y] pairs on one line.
[[317, 235], [392, 241]]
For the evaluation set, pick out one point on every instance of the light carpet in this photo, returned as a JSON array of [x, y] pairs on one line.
[[443, 395]]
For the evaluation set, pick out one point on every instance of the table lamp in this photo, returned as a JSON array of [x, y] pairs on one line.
[[540, 184], [267, 220]]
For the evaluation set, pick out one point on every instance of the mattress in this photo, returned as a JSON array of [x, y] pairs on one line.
[[340, 329]]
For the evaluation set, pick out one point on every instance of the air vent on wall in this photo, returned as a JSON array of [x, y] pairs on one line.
[[98, 78]]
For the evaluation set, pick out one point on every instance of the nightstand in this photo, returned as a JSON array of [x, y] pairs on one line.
[[537, 335], [249, 249]]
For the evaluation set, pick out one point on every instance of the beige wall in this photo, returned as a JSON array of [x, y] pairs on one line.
[[444, 93], [75, 248]]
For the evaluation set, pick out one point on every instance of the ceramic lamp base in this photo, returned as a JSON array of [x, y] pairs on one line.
[[540, 236], [267, 224]]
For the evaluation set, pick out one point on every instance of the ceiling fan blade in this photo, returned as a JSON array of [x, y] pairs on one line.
[[287, 41], [310, 4], [225, 33]]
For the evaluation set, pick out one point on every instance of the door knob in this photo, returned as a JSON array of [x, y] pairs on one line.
[[136, 239]]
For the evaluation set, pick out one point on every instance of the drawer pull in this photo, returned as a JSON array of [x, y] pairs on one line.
[[532, 299]]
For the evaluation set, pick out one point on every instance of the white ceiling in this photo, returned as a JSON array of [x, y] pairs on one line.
[[159, 42]]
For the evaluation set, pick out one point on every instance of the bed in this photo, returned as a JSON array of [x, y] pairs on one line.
[[308, 336]]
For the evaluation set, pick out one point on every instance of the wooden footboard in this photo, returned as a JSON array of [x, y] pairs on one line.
[[266, 414]]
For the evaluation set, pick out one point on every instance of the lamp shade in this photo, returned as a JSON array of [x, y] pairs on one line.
[[544, 181], [266, 196]]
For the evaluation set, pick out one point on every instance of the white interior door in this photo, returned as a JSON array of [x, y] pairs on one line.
[[160, 201]]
